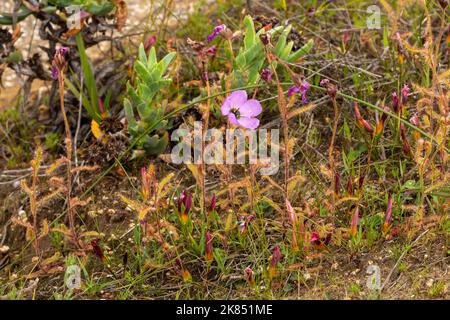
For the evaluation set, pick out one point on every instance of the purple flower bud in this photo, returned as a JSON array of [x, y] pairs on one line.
[[293, 90], [184, 203], [212, 205], [276, 256], [148, 44], [59, 62], [248, 272], [249, 276], [266, 75], [384, 116], [204, 75], [405, 92], [395, 102], [304, 89], [54, 73], [216, 32]]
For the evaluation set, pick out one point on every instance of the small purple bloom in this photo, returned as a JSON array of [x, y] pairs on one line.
[[293, 90], [266, 75], [324, 82], [216, 32], [63, 51], [205, 77], [242, 111], [304, 87], [54, 73], [405, 93], [59, 62]]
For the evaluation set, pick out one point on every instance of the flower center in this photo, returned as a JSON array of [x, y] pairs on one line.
[[236, 112]]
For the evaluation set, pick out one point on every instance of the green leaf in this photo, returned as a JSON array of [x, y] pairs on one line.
[[142, 56], [282, 41], [219, 256], [302, 51], [89, 78], [250, 36], [129, 112]]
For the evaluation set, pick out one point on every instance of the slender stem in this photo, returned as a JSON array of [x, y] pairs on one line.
[[331, 148], [68, 155]]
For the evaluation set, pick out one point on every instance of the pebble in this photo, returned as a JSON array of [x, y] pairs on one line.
[[4, 249]]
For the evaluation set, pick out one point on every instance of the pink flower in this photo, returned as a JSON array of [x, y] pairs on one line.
[[241, 111], [293, 90], [304, 87], [276, 256], [405, 92], [148, 44], [249, 276], [216, 32], [315, 237]]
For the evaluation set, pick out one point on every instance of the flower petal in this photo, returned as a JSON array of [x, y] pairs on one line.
[[249, 123], [234, 100], [251, 108], [232, 119], [293, 90]]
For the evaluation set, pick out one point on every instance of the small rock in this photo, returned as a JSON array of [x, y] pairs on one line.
[[22, 215], [4, 249]]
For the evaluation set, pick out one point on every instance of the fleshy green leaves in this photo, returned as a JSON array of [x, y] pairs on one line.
[[145, 97], [251, 57]]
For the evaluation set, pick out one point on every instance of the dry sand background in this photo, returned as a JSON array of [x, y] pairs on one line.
[[138, 13]]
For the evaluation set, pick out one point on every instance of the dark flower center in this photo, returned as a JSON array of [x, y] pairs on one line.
[[236, 113]]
